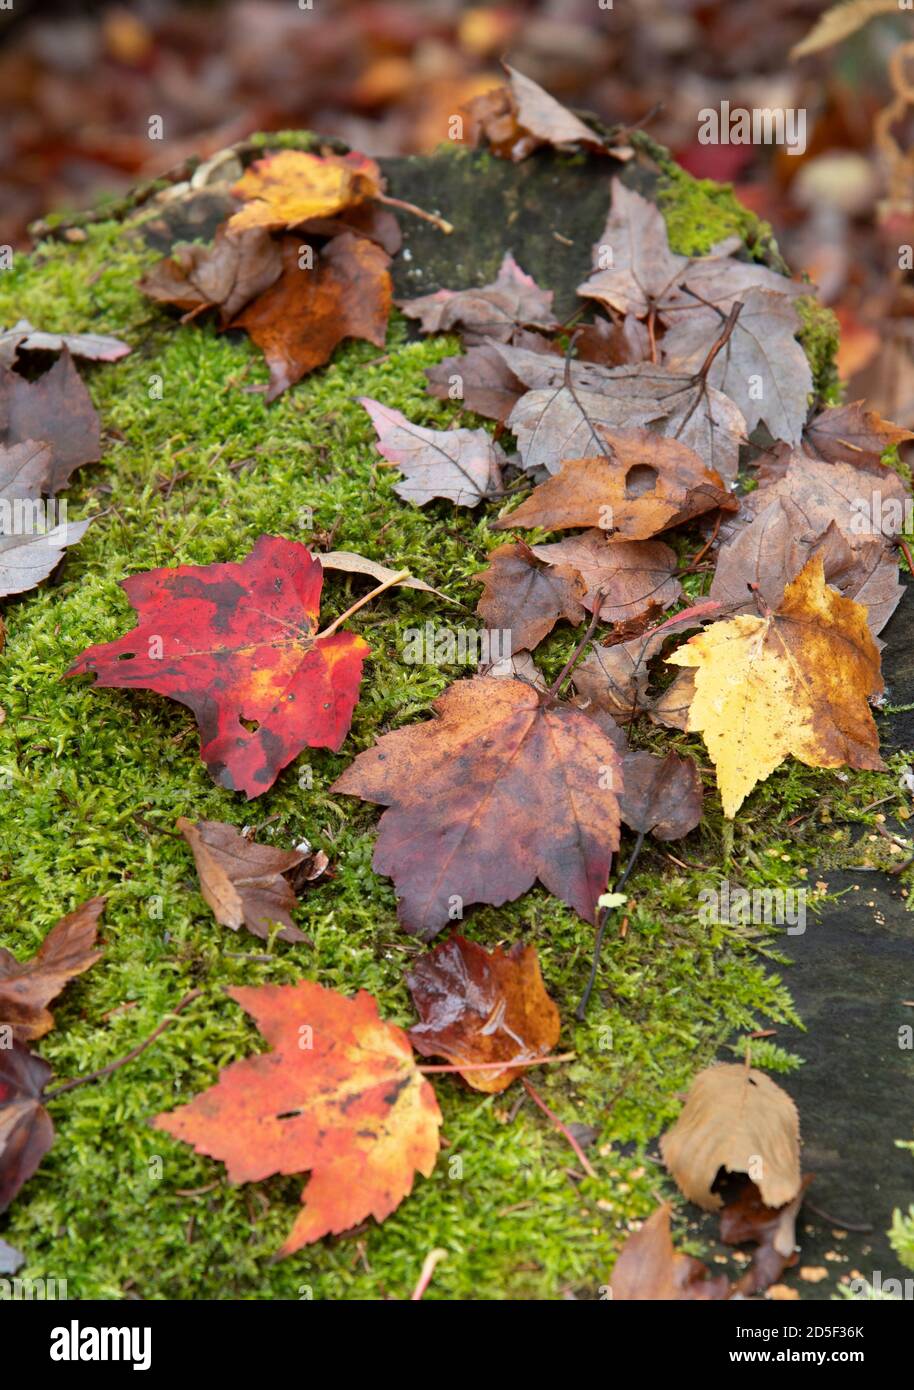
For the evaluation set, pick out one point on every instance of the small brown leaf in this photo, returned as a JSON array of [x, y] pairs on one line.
[[226, 275], [489, 314], [661, 796], [26, 1131], [55, 410], [482, 1006], [26, 989], [525, 597], [650, 1269], [461, 465], [301, 319], [636, 577], [243, 882]]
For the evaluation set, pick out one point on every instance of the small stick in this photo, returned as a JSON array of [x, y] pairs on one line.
[[417, 212], [562, 1128], [906, 552], [433, 1258], [720, 342], [503, 1066], [388, 583], [601, 930], [555, 687], [862, 1228], [135, 1052]]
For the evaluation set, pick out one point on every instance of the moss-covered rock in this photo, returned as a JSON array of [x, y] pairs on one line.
[[195, 468]]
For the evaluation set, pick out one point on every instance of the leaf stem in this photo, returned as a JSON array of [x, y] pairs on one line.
[[388, 583], [562, 1128], [601, 930], [502, 1066], [134, 1052], [555, 687], [417, 212]]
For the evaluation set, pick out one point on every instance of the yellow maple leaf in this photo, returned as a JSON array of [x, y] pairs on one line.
[[291, 187], [796, 682]]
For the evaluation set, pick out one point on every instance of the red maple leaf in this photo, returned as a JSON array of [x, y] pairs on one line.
[[239, 645]]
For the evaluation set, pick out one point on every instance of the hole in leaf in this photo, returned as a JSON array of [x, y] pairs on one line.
[[641, 478]]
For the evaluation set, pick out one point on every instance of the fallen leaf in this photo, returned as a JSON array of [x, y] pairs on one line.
[[765, 556], [661, 796], [635, 576], [339, 1094], [243, 882], [301, 319], [479, 380], [26, 1131], [794, 683], [461, 465], [95, 347], [288, 188], [632, 259], [647, 484], [615, 678], [10, 1259], [773, 1229], [351, 563], [478, 1006], [735, 1118], [226, 275], [29, 549], [55, 410], [761, 367], [489, 314], [518, 118], [526, 598], [26, 989], [500, 789], [519, 666], [862, 502], [650, 1269], [852, 434], [236, 643]]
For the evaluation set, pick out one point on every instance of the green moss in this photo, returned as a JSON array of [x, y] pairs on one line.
[[94, 780], [819, 335]]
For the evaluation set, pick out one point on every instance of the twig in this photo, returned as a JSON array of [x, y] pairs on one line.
[[720, 342], [417, 212], [502, 1066], [555, 687], [581, 1010], [562, 1128], [862, 1228], [134, 1052]]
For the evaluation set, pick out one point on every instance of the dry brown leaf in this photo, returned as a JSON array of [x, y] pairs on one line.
[[27, 989], [650, 1269], [735, 1118], [635, 576], [525, 597]]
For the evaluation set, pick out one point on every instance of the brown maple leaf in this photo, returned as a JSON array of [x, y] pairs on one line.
[[226, 275], [661, 796], [634, 266], [482, 1006], [55, 410], [641, 485], [26, 1130], [650, 1269], [462, 465], [634, 577], [516, 119], [502, 788], [491, 313], [525, 597], [27, 988], [301, 319], [29, 548]]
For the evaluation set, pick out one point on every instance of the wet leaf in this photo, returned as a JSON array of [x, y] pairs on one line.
[[338, 1094], [288, 188], [636, 577], [795, 683], [54, 410], [95, 347], [649, 1268], [639, 266], [647, 484], [226, 275], [661, 796], [520, 117], [29, 550], [239, 645], [482, 1006], [26, 1131], [489, 314], [301, 319], [500, 789]]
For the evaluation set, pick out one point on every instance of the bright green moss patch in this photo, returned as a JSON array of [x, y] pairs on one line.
[[195, 468]]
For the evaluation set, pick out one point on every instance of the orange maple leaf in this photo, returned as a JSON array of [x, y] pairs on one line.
[[340, 1094]]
